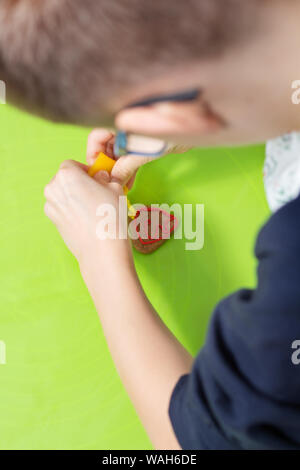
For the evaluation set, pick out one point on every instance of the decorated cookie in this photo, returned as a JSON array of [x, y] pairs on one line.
[[150, 228]]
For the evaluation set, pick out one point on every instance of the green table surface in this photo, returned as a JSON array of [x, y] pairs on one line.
[[59, 388]]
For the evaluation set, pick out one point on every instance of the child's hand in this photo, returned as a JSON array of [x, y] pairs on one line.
[[124, 171], [72, 199]]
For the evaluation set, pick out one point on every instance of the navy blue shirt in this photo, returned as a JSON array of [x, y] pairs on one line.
[[244, 389]]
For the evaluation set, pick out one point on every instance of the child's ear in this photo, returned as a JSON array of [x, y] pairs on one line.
[[170, 119]]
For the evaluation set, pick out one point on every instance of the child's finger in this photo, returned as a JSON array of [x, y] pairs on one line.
[[126, 167], [110, 147], [102, 177], [99, 140]]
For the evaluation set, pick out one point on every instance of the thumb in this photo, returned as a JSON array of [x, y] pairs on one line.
[[126, 167], [102, 177]]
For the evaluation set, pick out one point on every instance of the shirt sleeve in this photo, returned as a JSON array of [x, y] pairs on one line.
[[244, 389]]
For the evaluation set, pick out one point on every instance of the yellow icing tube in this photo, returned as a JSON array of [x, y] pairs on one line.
[[105, 163], [102, 163]]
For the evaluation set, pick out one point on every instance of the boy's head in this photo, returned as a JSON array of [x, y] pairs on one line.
[[83, 61]]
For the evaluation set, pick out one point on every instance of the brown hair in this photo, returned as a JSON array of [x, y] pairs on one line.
[[65, 57]]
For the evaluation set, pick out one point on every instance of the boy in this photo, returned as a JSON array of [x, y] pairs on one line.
[[86, 61]]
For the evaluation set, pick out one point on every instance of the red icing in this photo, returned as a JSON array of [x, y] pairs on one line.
[[164, 227]]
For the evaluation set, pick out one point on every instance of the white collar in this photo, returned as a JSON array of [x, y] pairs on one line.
[[282, 170]]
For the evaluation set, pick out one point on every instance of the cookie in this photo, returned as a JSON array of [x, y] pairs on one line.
[[151, 228]]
